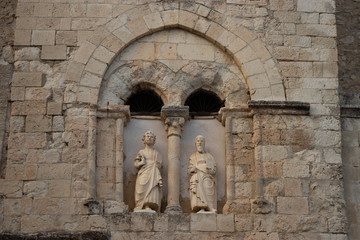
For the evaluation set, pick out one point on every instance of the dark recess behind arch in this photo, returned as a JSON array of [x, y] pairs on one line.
[[145, 102], [204, 103]]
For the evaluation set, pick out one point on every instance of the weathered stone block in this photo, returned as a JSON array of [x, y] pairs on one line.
[[225, 223], [77, 139], [22, 37], [316, 30], [198, 52], [171, 17], [203, 222], [161, 223], [296, 169], [243, 223], [17, 206], [58, 124], [68, 38], [316, 6], [120, 222], [282, 4], [37, 93], [60, 171], [138, 27], [179, 222], [27, 53], [57, 52], [16, 156], [84, 52], [293, 187], [113, 43], [154, 21], [292, 205], [99, 10], [11, 188], [95, 66], [103, 54], [59, 188], [142, 221], [25, 9], [17, 94], [27, 140], [28, 79], [38, 123], [43, 9], [43, 37], [54, 108]]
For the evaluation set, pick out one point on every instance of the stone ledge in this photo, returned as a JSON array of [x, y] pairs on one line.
[[279, 107], [57, 235], [350, 111]]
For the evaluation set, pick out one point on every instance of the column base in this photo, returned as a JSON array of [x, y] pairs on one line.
[[173, 209]]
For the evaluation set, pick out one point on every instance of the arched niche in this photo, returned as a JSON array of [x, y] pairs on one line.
[[164, 63]]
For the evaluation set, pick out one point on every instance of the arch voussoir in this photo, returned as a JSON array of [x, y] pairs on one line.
[[247, 50]]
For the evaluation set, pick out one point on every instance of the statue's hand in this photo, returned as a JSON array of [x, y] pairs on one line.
[[160, 184]]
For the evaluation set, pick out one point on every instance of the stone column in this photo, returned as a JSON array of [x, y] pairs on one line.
[[227, 117], [121, 114], [91, 164], [174, 117]]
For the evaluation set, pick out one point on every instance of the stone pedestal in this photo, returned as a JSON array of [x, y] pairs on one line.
[[174, 117]]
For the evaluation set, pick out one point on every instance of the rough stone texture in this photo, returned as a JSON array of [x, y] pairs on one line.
[[348, 48], [7, 18], [349, 90]]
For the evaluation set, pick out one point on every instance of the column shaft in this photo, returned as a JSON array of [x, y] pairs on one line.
[[119, 159], [91, 164], [173, 173]]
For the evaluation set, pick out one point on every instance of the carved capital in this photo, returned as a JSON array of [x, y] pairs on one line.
[[174, 126], [174, 111], [115, 111], [174, 118]]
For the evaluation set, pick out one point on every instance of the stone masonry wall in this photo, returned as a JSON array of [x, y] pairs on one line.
[[287, 165], [7, 25], [348, 39]]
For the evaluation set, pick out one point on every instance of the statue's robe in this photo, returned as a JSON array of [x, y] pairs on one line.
[[202, 170], [148, 188]]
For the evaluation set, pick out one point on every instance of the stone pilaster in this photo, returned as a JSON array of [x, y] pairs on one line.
[[258, 109], [122, 116], [226, 117], [174, 117]]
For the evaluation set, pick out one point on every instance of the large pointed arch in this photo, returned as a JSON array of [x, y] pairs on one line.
[[91, 61]]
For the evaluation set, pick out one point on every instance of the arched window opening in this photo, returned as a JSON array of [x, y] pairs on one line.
[[204, 103], [145, 102]]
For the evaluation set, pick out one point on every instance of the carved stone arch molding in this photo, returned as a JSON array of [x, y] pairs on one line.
[[95, 55]]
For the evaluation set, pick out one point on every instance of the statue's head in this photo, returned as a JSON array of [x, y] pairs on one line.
[[200, 143], [149, 138]]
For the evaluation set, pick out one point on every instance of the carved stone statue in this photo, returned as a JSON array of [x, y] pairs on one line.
[[202, 170], [148, 182]]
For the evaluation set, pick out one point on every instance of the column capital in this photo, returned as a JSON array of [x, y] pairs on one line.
[[115, 111], [174, 112], [240, 111]]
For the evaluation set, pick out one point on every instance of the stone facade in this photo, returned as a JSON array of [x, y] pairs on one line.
[[274, 64]]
